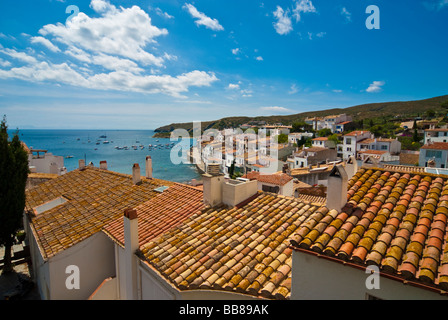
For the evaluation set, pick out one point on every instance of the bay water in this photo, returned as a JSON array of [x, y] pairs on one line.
[[97, 145]]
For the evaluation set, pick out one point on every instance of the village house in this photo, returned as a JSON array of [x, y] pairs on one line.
[[389, 227], [323, 142], [63, 220], [435, 135], [333, 122], [350, 143], [311, 156], [434, 154], [279, 183], [42, 161]]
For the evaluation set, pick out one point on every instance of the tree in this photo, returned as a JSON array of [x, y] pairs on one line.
[[13, 176], [324, 132], [282, 138]]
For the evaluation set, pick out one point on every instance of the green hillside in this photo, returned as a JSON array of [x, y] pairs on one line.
[[399, 110]]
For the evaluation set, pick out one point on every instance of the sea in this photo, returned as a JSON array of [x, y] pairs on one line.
[[98, 145]]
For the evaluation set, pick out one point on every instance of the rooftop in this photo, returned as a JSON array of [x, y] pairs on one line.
[[396, 221], [277, 178], [243, 249], [436, 146], [161, 213], [79, 203], [356, 133]]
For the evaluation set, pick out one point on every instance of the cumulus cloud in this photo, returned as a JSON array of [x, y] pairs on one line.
[[284, 24], [347, 15], [104, 53], [375, 86], [234, 86], [202, 19], [47, 43], [124, 32], [235, 51], [302, 6], [276, 109]]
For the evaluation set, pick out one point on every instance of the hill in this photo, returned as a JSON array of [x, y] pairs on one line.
[[399, 110]]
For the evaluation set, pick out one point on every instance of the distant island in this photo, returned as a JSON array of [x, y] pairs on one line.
[[385, 111]]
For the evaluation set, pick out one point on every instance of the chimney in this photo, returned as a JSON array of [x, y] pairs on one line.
[[337, 188], [351, 167], [131, 245], [54, 168], [103, 165], [148, 168], [136, 177], [212, 185], [82, 164]]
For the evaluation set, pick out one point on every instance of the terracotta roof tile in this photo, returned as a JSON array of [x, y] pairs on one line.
[[247, 247], [395, 220], [93, 197], [278, 178]]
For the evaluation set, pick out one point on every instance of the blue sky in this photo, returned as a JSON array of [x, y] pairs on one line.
[[143, 64]]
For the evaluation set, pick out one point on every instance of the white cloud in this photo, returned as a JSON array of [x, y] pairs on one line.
[[202, 19], [47, 43], [116, 80], [284, 24], [116, 41], [123, 32], [302, 6], [4, 63], [236, 51], [294, 89], [234, 86], [19, 55], [375, 86], [347, 15], [436, 4], [259, 58], [337, 91], [163, 14], [276, 109]]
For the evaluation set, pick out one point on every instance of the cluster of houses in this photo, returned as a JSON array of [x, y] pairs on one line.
[[331, 221]]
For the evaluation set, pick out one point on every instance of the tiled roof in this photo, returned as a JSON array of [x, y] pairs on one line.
[[377, 152], [277, 178], [243, 249], [436, 146], [396, 221], [355, 133], [94, 197], [320, 139], [161, 213]]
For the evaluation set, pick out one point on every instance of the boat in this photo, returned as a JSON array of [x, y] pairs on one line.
[[103, 136], [105, 142], [68, 157]]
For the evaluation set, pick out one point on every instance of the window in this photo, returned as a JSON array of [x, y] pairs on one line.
[[348, 140], [433, 154], [384, 147], [275, 189]]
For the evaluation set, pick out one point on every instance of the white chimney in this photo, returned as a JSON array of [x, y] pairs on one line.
[[136, 176], [54, 168], [130, 247], [351, 167], [81, 164], [148, 167], [212, 189], [337, 188], [103, 165]]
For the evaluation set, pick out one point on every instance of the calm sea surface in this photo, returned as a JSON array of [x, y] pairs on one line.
[[76, 143]]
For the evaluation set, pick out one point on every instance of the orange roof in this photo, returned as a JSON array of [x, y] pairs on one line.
[[357, 133], [395, 221], [161, 213], [320, 139], [239, 249], [436, 146], [93, 198], [278, 179]]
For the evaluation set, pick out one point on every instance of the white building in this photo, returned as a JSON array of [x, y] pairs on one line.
[[351, 143], [436, 135]]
